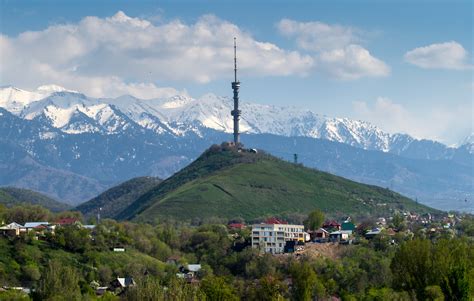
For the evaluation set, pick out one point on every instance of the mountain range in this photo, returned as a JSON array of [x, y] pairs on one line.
[[98, 142]]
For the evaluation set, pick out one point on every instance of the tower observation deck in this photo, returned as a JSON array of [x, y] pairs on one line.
[[235, 87]]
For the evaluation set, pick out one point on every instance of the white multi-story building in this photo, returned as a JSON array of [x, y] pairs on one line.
[[272, 237]]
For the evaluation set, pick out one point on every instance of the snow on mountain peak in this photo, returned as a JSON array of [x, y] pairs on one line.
[[178, 115]]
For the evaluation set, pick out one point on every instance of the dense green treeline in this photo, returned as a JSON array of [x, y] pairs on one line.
[[70, 264]]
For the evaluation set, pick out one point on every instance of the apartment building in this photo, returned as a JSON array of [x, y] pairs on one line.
[[271, 236]]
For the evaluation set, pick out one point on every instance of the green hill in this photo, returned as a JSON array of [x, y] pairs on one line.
[[118, 198], [11, 196], [229, 184]]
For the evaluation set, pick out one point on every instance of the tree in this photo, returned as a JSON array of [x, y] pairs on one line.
[[398, 222], [217, 289], [305, 282], [412, 267], [147, 289], [26, 213], [434, 293], [14, 295], [59, 282], [315, 220], [269, 288]]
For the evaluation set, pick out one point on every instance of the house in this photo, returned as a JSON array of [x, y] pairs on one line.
[[348, 226], [271, 236], [12, 229], [236, 226], [32, 225], [332, 224], [319, 234], [274, 220], [118, 249], [341, 235], [189, 272], [119, 285], [372, 233]]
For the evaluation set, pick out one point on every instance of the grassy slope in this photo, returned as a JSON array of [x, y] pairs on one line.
[[117, 198], [10, 196], [229, 184]]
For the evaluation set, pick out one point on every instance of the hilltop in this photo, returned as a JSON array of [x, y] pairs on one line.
[[11, 196], [118, 198], [226, 183]]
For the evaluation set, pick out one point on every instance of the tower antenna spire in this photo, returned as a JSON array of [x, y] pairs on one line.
[[235, 86], [235, 59]]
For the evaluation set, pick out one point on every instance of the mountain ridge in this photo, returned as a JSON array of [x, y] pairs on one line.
[[181, 114], [113, 200], [12, 196]]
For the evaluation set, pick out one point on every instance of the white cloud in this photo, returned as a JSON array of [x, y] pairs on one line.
[[353, 62], [319, 36], [120, 54], [434, 123], [448, 55], [336, 48]]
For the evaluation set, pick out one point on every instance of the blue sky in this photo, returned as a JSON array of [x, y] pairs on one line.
[[358, 51]]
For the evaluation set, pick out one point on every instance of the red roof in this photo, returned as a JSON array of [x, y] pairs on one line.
[[67, 221], [236, 226], [332, 223], [274, 220]]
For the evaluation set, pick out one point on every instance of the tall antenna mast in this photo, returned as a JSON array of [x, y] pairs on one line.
[[235, 59], [235, 86]]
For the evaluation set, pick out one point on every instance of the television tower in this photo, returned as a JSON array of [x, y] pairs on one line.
[[235, 86]]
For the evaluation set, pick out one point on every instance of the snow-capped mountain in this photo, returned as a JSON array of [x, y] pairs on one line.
[[52, 137], [75, 113]]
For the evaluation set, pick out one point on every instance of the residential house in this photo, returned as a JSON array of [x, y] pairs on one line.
[[35, 225], [372, 233], [12, 229], [348, 226], [341, 235], [120, 285], [381, 221], [189, 272], [331, 225], [319, 234], [236, 226], [272, 235]]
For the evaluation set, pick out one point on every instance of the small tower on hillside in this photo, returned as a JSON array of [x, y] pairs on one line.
[[235, 86]]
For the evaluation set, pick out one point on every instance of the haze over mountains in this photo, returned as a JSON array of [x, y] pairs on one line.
[[63, 134]]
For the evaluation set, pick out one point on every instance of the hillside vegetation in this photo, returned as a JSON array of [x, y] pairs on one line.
[[225, 183], [117, 198], [11, 196]]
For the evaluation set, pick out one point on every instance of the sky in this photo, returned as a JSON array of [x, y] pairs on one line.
[[405, 66]]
